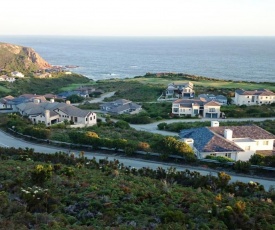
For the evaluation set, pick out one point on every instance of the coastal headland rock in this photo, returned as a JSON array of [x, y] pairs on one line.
[[20, 58]]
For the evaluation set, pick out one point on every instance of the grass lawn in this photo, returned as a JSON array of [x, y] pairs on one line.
[[75, 86], [4, 89], [209, 83]]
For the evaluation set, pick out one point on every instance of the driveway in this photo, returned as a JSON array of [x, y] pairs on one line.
[[102, 97]]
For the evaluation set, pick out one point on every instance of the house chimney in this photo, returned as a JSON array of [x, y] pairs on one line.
[[36, 101], [228, 134], [68, 102], [215, 124], [47, 117], [188, 141]]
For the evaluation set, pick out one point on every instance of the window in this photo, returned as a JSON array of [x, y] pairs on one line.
[[213, 154], [257, 142], [228, 155], [247, 96], [265, 142], [211, 110], [247, 148]]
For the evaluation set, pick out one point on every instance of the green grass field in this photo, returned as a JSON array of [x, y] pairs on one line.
[[75, 86], [209, 83]]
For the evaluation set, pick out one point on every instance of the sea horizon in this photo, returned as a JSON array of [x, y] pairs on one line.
[[237, 58]]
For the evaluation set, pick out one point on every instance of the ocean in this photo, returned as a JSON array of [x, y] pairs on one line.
[[230, 58]]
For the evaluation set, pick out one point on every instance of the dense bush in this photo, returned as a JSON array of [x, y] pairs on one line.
[[84, 193], [75, 98], [221, 159]]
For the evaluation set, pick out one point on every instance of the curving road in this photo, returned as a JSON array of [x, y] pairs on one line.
[[7, 140], [153, 127]]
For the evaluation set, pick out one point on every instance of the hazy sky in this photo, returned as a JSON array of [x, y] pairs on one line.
[[138, 17]]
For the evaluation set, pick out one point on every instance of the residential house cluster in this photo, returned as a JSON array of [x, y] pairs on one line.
[[7, 78], [254, 97], [39, 110], [235, 142], [120, 106], [17, 74]]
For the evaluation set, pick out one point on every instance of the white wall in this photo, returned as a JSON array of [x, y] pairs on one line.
[[233, 155], [247, 99], [244, 156], [261, 146]]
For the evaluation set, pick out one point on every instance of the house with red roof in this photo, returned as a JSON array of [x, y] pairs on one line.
[[235, 142]]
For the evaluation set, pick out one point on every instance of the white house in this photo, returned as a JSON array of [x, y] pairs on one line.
[[179, 90], [196, 107], [7, 78], [17, 74], [4, 103], [53, 112], [254, 97], [235, 142]]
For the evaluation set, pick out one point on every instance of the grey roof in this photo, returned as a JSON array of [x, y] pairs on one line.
[[121, 108], [207, 141], [120, 105], [187, 103], [31, 108], [221, 97], [73, 111]]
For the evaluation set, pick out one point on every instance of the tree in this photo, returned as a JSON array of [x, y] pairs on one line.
[[122, 124], [256, 159], [176, 147], [75, 98]]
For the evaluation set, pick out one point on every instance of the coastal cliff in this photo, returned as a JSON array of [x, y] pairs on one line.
[[15, 57]]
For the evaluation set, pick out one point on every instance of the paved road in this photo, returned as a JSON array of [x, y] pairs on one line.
[[9, 141], [102, 97], [153, 127]]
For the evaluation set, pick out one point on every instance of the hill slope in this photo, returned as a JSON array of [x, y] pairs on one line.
[[15, 57]]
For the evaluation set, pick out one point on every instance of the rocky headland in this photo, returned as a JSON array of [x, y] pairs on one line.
[[20, 58]]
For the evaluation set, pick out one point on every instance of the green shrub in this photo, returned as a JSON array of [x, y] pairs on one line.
[[242, 166]]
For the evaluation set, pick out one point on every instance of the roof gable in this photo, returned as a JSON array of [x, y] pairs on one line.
[[207, 141], [245, 131]]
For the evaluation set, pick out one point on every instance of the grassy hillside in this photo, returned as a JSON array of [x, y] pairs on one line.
[[58, 191], [204, 82], [41, 86]]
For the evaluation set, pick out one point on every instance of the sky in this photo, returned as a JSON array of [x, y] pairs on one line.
[[138, 17]]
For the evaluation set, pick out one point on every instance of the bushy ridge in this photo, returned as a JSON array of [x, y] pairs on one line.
[[40, 191]]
